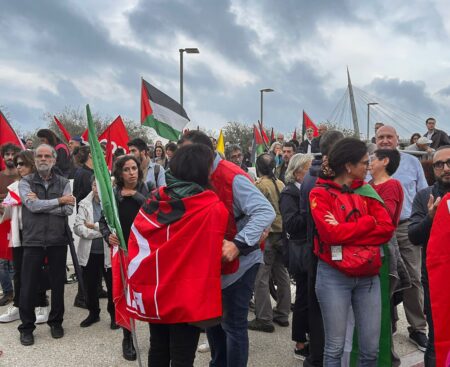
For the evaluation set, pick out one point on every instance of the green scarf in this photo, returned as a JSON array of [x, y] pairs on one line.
[[384, 354], [179, 189]]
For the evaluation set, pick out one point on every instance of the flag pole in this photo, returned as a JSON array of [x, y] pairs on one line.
[[303, 125]]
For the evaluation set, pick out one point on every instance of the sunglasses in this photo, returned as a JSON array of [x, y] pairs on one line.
[[20, 164], [440, 164]]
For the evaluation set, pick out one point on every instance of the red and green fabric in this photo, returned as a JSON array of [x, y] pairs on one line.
[[258, 141], [384, 354], [438, 268], [109, 208], [7, 135], [161, 112], [175, 250]]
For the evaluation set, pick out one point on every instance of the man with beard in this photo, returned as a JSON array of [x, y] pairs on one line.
[[47, 202], [289, 149], [7, 177], [424, 208]]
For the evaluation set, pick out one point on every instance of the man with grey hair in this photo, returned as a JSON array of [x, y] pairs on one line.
[[412, 178], [47, 202], [233, 153]]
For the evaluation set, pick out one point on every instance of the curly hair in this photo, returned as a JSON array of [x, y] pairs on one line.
[[118, 169]]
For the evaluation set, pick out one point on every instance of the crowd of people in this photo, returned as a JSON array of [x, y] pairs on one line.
[[347, 221]]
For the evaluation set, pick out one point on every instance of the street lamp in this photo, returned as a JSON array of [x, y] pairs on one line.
[[188, 51], [368, 118], [262, 103]]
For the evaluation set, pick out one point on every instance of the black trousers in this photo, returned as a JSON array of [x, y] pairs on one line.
[[300, 323], [172, 345], [92, 274], [41, 296], [33, 258], [316, 333]]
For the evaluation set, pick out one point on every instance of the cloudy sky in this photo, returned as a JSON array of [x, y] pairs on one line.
[[69, 53]]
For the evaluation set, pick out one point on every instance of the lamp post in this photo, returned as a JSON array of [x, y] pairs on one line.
[[262, 102], [368, 118], [188, 51]]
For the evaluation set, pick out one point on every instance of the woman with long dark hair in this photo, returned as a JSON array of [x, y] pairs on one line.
[[130, 193], [352, 224]]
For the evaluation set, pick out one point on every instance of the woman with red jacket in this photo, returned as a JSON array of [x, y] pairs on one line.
[[351, 225]]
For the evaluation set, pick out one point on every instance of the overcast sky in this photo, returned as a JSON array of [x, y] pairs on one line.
[[69, 53]]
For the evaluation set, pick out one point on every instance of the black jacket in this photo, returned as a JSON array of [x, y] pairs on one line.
[[82, 183], [439, 139], [294, 225]]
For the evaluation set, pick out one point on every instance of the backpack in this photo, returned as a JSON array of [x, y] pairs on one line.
[[352, 260]]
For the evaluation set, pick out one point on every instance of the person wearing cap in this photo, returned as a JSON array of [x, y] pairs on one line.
[[422, 145], [438, 137], [75, 141]]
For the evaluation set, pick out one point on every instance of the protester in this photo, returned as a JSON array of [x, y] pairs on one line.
[[160, 156], [173, 332], [280, 138], [250, 214], [422, 215], [171, 148], [75, 141], [273, 266], [93, 255], [130, 193], [376, 127], [359, 224], [7, 177], [438, 137], [82, 180], [316, 334], [276, 150], [153, 173], [294, 236], [63, 160], [47, 201], [24, 161], [233, 153], [422, 145], [29, 144], [411, 176], [315, 144], [305, 145], [288, 151], [414, 138]]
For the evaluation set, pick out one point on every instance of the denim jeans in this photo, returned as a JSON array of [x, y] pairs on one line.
[[336, 292], [6, 275], [229, 340]]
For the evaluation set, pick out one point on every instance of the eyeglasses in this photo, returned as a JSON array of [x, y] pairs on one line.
[[20, 164], [440, 164]]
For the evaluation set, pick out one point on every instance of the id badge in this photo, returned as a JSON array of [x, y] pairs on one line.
[[336, 253]]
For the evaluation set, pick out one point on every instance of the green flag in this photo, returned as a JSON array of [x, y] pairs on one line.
[[103, 179]]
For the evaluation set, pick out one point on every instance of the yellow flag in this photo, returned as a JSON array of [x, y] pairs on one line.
[[221, 143]]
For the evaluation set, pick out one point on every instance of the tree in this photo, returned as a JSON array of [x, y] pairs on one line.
[[238, 133]]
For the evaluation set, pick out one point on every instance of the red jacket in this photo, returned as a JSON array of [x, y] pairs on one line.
[[371, 228]]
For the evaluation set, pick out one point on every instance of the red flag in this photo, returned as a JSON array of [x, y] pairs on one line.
[[62, 128], [294, 137], [438, 267], [308, 123], [169, 283], [272, 135], [115, 136], [263, 134], [85, 136]]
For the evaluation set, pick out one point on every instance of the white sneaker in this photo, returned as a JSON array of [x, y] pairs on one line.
[[203, 348], [41, 314], [11, 314]]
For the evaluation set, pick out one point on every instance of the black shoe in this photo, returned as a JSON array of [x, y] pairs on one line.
[[88, 321], [7, 298], [102, 293], [303, 353], [420, 339], [128, 351], [113, 325], [57, 331], [259, 325], [80, 302], [26, 338], [281, 323]]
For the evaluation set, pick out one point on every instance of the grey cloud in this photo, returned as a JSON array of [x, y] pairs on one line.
[[445, 92]]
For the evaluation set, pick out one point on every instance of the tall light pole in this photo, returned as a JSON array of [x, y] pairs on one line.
[[368, 118], [188, 51], [262, 102]]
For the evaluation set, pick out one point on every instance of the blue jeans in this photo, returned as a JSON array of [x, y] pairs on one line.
[[6, 275], [336, 292], [229, 340]]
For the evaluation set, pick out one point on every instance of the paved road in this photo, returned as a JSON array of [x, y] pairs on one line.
[[98, 346]]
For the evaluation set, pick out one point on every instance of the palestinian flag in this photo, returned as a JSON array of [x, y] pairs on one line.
[[438, 268], [258, 144], [175, 250], [308, 123], [162, 113]]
